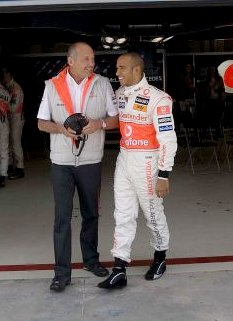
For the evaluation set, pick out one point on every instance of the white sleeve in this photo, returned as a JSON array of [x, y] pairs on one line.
[[165, 132], [44, 111], [111, 103]]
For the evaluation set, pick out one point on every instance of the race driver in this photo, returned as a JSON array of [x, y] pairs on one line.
[[147, 150]]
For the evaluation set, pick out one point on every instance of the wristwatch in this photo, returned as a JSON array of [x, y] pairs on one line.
[[104, 125]]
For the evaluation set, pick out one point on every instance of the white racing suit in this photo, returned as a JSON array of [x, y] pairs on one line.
[[148, 144], [16, 123], [4, 130]]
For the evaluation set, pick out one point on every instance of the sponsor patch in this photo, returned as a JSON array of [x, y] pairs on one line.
[[142, 108], [164, 120], [141, 100], [146, 92], [129, 117], [163, 110], [165, 128], [121, 104]]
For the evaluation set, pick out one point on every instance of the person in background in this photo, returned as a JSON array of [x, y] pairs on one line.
[[77, 89], [16, 123], [4, 131], [147, 150], [214, 99], [186, 95], [187, 87]]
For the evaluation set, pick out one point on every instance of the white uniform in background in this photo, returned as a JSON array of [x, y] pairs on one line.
[[16, 122], [4, 130]]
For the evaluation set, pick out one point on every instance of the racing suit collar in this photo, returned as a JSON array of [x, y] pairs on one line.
[[128, 91]]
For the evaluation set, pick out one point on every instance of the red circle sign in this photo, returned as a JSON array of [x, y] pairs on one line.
[[228, 76]]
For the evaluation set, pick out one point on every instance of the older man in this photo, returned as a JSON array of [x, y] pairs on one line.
[[76, 157]]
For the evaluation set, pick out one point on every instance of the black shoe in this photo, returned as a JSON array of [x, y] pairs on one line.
[[2, 181], [156, 270], [97, 269], [19, 173], [10, 170], [58, 285], [117, 279]]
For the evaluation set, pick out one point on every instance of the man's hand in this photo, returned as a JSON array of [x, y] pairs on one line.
[[56, 128], [92, 126], [68, 132], [162, 187]]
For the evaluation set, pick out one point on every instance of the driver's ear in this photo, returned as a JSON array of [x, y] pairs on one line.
[[137, 69], [70, 61]]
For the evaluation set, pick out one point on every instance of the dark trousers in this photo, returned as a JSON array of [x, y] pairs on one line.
[[87, 180]]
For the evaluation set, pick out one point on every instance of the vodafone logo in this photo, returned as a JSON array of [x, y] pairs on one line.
[[132, 142], [128, 130], [163, 110], [146, 92]]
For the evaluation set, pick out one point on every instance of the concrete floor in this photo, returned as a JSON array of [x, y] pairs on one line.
[[192, 296], [200, 216]]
